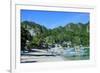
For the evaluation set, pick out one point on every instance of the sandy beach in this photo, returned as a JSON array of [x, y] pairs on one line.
[[30, 59]]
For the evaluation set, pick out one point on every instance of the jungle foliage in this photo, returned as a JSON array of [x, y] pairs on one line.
[[35, 35]]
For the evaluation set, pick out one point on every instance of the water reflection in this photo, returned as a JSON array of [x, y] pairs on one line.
[[72, 54], [55, 54], [80, 53]]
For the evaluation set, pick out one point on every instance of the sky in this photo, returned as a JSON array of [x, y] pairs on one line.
[[52, 19]]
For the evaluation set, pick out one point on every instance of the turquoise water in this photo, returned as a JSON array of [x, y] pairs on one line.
[[84, 54], [69, 54]]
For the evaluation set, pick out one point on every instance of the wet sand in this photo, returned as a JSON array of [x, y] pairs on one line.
[[45, 56], [30, 59]]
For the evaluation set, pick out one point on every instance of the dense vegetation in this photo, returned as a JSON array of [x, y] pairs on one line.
[[35, 35]]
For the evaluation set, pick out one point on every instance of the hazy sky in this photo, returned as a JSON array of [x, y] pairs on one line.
[[52, 19]]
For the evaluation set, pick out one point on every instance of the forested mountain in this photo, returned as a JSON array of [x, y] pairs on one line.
[[35, 35]]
